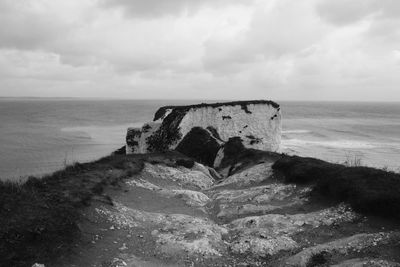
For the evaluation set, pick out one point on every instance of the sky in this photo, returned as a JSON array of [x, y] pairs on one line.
[[201, 49]]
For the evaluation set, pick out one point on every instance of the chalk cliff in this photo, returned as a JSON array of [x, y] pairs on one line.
[[209, 126]]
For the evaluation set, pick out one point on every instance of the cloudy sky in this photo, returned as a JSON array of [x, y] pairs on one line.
[[203, 49]]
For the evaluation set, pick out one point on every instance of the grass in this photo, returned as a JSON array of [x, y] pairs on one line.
[[353, 161], [368, 190], [39, 219]]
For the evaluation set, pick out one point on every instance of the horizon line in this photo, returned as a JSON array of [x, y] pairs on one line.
[[181, 99]]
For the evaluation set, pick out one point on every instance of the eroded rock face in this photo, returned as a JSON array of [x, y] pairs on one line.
[[366, 263], [175, 234], [272, 233], [256, 123], [258, 200], [191, 197], [197, 178], [179, 214], [258, 194], [275, 224], [343, 246]]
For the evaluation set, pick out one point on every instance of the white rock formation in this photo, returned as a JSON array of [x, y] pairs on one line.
[[257, 123]]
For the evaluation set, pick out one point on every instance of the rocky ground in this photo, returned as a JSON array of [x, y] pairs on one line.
[[169, 215]]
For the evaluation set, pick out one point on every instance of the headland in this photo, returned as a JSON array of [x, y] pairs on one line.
[[198, 188]]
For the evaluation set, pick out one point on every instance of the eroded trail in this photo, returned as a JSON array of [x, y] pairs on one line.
[[178, 216]]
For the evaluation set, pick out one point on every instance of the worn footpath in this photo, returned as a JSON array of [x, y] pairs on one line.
[[171, 215]]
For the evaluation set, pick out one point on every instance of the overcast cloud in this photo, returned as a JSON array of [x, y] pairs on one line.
[[210, 49]]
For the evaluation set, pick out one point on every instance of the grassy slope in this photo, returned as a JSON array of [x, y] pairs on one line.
[[367, 190], [39, 219]]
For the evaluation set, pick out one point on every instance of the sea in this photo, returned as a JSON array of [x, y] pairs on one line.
[[39, 136]]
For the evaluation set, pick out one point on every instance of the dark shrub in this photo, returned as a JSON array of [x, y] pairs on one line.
[[168, 133], [199, 145], [318, 259], [304, 170], [235, 152], [367, 190], [187, 163]]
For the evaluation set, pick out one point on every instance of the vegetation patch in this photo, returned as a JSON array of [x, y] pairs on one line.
[[187, 163], [146, 128], [245, 108], [168, 133], [200, 145], [367, 190], [39, 218], [131, 135], [235, 152], [318, 259]]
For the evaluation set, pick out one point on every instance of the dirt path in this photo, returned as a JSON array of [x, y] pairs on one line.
[[175, 216]]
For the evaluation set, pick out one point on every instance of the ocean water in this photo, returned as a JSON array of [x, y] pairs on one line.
[[340, 131], [39, 136]]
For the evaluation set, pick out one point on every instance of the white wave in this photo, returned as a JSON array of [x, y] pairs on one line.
[[296, 131], [351, 144], [102, 134]]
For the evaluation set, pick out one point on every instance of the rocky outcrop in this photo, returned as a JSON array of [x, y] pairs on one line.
[[343, 246], [183, 215], [200, 131]]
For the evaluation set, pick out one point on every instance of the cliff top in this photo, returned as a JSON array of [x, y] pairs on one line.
[[151, 210], [161, 111]]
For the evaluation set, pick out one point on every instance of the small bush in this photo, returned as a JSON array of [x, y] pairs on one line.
[[353, 161], [318, 259]]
